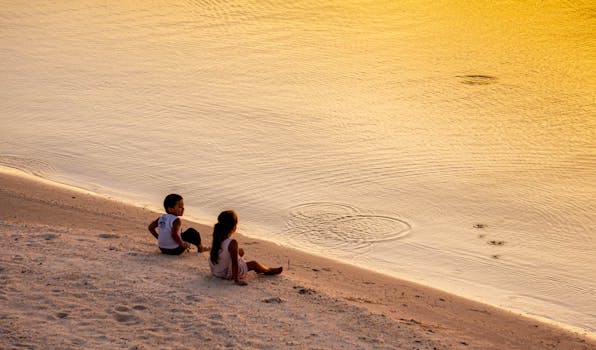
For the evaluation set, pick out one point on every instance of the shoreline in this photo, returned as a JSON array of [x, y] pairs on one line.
[[194, 219], [316, 287]]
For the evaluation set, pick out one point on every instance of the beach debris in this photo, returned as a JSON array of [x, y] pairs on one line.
[[481, 311], [304, 290], [370, 340], [316, 270], [274, 300], [495, 256], [359, 300], [62, 314], [108, 235], [495, 242], [477, 79], [463, 343], [49, 236], [482, 235], [480, 225], [410, 321]]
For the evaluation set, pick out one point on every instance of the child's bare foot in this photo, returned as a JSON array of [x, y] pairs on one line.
[[202, 249], [274, 271]]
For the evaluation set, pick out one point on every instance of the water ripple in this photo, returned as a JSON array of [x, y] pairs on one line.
[[343, 226], [32, 166]]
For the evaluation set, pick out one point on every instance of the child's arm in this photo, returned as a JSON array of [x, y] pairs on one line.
[[152, 228], [176, 235], [233, 249]]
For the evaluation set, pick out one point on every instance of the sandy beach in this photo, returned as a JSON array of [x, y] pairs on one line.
[[79, 271]]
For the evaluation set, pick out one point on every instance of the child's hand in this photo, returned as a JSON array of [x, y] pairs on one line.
[[186, 245], [241, 282]]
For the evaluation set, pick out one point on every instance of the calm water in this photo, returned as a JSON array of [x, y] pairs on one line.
[[446, 143]]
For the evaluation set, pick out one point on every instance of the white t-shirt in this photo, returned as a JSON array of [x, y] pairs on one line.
[[223, 268], [165, 224]]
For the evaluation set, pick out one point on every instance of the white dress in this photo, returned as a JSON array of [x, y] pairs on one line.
[[223, 268]]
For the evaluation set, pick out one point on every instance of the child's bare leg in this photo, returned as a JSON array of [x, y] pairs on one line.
[[260, 268]]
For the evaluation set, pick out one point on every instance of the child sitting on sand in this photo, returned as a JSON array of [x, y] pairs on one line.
[[226, 258], [169, 238]]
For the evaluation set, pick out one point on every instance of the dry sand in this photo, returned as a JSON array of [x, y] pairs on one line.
[[78, 271]]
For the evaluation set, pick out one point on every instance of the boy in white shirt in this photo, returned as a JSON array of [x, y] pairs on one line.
[[169, 238]]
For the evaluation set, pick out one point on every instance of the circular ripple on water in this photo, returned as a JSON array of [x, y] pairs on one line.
[[367, 228], [343, 225], [318, 212]]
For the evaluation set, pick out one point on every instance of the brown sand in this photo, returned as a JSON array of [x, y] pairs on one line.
[[78, 271]]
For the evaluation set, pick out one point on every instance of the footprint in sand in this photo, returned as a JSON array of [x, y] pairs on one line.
[[49, 236], [122, 314], [193, 298], [126, 318]]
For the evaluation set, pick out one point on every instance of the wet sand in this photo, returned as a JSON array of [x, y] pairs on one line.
[[81, 271]]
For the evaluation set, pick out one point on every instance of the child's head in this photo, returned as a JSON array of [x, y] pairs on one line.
[[174, 204], [227, 221], [225, 226]]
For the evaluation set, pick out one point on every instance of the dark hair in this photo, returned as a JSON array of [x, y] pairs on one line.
[[226, 221], [171, 200]]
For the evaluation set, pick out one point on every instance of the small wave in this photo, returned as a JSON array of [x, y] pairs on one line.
[[28, 165], [477, 79]]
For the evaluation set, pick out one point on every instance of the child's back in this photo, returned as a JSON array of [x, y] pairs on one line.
[[170, 239], [226, 259]]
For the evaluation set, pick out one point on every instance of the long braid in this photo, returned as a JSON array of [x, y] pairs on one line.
[[218, 238]]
